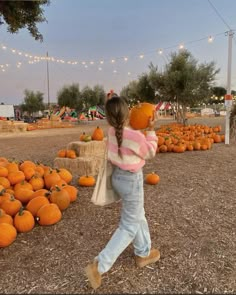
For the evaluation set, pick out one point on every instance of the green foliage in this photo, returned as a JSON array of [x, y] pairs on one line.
[[130, 93], [33, 102], [183, 80], [144, 89], [23, 14], [69, 96], [92, 96], [219, 91], [100, 94]]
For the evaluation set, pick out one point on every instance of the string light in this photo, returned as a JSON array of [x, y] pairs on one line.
[[38, 58], [210, 39]]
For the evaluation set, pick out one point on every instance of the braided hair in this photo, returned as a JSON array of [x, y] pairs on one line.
[[117, 113]]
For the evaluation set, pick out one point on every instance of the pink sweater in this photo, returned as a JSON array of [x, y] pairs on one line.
[[135, 148]]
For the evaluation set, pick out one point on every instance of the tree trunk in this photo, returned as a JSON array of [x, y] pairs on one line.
[[181, 115]]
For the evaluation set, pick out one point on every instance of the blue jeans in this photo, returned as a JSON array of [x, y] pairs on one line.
[[133, 226]]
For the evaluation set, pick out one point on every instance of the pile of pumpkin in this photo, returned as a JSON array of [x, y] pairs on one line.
[[31, 194], [97, 134], [179, 138], [176, 137]]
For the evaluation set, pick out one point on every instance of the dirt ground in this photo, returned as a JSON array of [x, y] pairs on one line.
[[191, 215]]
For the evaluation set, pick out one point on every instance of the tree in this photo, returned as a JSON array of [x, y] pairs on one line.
[[100, 94], [88, 97], [183, 81], [69, 96], [33, 102], [20, 14], [144, 89], [130, 93]]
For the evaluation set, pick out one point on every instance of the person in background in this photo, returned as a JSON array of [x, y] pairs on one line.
[[111, 94], [128, 149]]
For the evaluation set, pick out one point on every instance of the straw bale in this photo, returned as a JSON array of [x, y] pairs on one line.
[[13, 126], [80, 165], [84, 149]]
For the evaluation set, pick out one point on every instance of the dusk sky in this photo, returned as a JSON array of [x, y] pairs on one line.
[[87, 32]]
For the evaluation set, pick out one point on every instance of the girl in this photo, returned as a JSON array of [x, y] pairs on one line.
[[127, 150]]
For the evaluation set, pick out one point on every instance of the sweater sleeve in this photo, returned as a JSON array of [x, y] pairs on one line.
[[148, 146]]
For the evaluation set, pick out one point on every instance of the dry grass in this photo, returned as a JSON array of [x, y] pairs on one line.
[[191, 215]]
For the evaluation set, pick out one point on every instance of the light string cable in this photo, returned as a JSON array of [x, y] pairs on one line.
[[37, 58], [221, 17]]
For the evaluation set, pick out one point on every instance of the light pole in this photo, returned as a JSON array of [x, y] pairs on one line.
[[48, 83], [228, 102]]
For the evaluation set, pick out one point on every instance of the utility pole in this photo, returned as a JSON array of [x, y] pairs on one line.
[[228, 96], [48, 83]]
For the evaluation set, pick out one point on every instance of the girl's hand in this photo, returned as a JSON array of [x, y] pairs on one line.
[[152, 121]]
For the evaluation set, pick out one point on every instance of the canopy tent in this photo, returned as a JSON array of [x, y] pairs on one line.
[[163, 106]]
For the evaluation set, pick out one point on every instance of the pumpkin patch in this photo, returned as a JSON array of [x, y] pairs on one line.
[[25, 188]]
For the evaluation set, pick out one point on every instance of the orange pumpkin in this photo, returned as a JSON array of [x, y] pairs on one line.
[[8, 234], [86, 180], [82, 136], [72, 191], [11, 206], [71, 154], [140, 115], [37, 182], [5, 182], [98, 134], [16, 176], [60, 197], [39, 171], [61, 153], [36, 203], [152, 178], [23, 194], [3, 171], [27, 164], [12, 167], [5, 218], [29, 173], [24, 221], [51, 179], [65, 174], [4, 196], [3, 162], [23, 184], [48, 214], [41, 192]]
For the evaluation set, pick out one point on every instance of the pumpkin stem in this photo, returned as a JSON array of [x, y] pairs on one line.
[[2, 191], [57, 188], [47, 194], [12, 198], [21, 211]]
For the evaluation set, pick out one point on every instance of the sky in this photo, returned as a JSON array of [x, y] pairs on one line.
[[80, 34]]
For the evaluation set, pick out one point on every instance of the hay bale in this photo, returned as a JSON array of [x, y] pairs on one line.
[[80, 165], [85, 149], [13, 126]]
